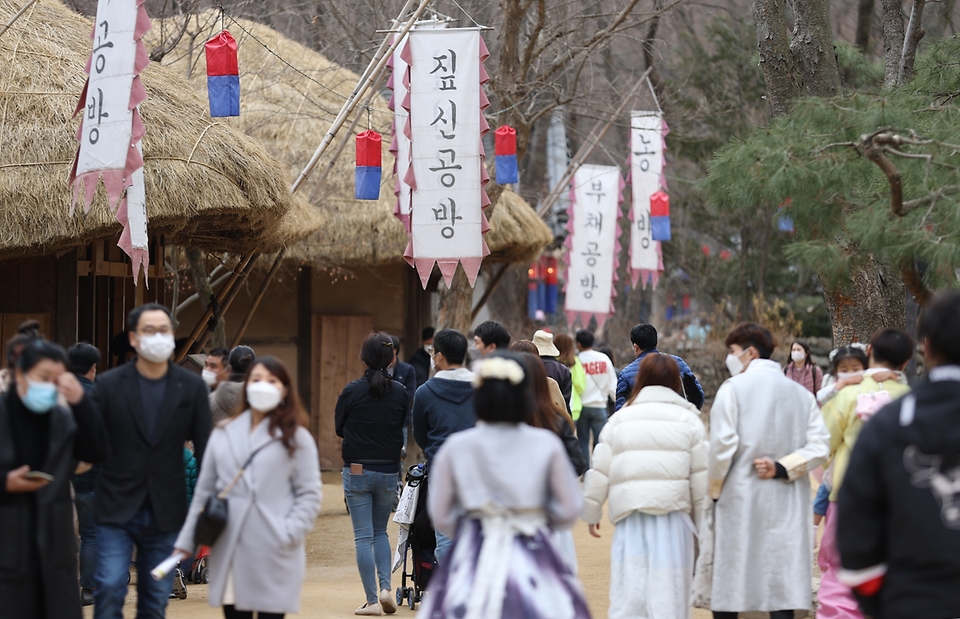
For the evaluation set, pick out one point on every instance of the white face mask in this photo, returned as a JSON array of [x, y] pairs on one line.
[[845, 375], [156, 348], [798, 356], [263, 397], [209, 377], [734, 365]]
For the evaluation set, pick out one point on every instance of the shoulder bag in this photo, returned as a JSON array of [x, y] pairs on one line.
[[212, 519]]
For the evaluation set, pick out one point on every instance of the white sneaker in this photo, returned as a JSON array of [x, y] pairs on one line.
[[369, 610], [387, 602]]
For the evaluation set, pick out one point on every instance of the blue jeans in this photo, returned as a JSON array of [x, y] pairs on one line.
[[591, 419], [822, 501], [443, 547], [370, 498], [88, 538], [115, 544]]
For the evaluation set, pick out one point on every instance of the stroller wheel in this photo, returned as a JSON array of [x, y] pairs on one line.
[[412, 600], [204, 575], [399, 596]]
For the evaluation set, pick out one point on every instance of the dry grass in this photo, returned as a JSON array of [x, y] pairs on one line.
[[289, 110], [207, 184]]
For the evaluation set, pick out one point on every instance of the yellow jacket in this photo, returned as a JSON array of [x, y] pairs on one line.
[[840, 415]]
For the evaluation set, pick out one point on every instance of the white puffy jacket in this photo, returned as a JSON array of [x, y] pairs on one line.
[[651, 457]]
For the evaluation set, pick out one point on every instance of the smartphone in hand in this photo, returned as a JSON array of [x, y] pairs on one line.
[[38, 476]]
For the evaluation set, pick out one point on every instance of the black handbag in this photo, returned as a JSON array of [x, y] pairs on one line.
[[212, 519]]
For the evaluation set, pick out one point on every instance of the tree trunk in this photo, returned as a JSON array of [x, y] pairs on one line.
[[864, 22], [201, 281], [775, 57], [873, 299], [893, 34], [911, 39], [456, 304], [813, 51]]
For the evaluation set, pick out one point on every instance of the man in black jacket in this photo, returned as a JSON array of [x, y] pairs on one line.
[[150, 408], [898, 529], [420, 359]]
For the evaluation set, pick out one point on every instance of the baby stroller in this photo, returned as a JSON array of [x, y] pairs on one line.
[[417, 539]]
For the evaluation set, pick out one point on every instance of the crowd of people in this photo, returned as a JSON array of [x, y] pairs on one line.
[[521, 439]]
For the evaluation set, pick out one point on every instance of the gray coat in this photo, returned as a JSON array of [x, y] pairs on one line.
[[272, 509]]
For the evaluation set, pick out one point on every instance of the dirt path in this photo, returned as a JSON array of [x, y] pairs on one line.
[[332, 586]]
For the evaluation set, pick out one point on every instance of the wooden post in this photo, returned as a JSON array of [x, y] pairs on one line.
[[202, 323], [257, 299], [305, 336], [226, 302]]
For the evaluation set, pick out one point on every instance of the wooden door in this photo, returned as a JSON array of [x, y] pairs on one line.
[[335, 361]]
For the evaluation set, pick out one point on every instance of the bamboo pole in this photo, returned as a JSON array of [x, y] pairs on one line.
[[257, 299], [489, 291], [202, 323], [596, 134], [228, 300], [17, 16], [378, 62]]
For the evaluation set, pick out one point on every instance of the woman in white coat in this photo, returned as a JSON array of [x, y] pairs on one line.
[[258, 562], [651, 463]]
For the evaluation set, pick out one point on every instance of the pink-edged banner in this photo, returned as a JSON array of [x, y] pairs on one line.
[[445, 126], [593, 243], [648, 132], [110, 128]]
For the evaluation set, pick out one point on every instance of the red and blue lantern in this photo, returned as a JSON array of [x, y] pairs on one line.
[[223, 75], [549, 266], [505, 147], [369, 169], [660, 216]]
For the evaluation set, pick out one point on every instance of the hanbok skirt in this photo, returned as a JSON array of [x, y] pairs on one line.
[[651, 567], [836, 599], [539, 582]]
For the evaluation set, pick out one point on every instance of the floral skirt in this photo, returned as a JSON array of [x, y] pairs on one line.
[[539, 582]]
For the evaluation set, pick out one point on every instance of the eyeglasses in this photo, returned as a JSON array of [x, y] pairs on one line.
[[154, 331]]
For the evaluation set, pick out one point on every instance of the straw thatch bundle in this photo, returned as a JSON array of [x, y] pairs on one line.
[[290, 107], [207, 185]]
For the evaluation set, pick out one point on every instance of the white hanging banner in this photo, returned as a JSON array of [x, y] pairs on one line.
[[592, 243], [447, 174], [110, 128], [400, 146], [647, 131]]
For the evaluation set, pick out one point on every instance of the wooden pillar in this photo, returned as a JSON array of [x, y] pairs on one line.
[[305, 334], [67, 291], [416, 304]]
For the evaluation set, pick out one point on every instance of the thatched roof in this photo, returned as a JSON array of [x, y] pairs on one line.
[[290, 108], [207, 184]]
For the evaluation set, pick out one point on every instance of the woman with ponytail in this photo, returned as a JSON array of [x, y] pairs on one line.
[[370, 415]]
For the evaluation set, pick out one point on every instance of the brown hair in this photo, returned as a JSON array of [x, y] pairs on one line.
[[524, 346], [544, 413], [564, 343], [289, 413], [657, 370], [748, 334]]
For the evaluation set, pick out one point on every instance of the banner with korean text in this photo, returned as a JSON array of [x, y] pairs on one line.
[[447, 174], [647, 132], [110, 127], [592, 245]]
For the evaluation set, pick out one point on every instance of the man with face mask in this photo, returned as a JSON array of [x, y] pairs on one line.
[[216, 369], [766, 434], [150, 408]]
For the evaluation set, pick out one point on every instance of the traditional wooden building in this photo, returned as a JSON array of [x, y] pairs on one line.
[[207, 185]]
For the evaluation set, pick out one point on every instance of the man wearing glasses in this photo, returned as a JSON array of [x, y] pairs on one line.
[[151, 408]]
